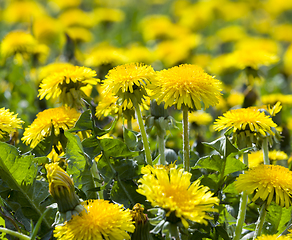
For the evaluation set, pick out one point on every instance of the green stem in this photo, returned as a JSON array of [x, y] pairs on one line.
[[260, 221], [265, 148], [186, 142], [15, 234], [143, 132], [161, 147], [95, 175], [242, 208]]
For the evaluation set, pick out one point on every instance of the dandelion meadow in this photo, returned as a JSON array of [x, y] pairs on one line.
[[145, 120]]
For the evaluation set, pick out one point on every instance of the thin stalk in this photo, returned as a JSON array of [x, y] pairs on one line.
[[242, 208], [265, 148], [161, 147], [95, 174], [15, 234], [143, 132], [129, 122], [186, 141], [260, 221]]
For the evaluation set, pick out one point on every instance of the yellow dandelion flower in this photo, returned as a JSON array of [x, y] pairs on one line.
[[186, 84], [65, 3], [276, 155], [108, 15], [231, 33], [172, 190], [100, 220], [268, 182], [8, 122], [104, 54], [273, 237], [65, 85], [79, 34], [47, 30], [61, 187], [23, 11], [129, 80], [287, 60], [200, 118], [171, 52], [77, 18], [235, 99], [49, 69], [282, 32], [285, 100], [243, 119], [61, 118], [18, 42]]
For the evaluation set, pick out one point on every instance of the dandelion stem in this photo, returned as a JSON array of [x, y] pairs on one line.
[[15, 234], [260, 221], [242, 208], [186, 142], [265, 148], [143, 132], [161, 146], [95, 175]]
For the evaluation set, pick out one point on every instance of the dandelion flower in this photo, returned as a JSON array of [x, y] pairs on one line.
[[101, 220], [18, 42], [268, 182], [66, 85], [61, 118], [128, 80], [186, 85], [172, 190], [200, 118], [247, 122], [8, 122], [62, 188], [273, 237]]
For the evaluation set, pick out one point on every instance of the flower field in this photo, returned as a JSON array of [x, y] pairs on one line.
[[145, 120]]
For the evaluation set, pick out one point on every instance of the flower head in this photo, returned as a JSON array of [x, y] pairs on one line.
[[61, 118], [8, 122], [186, 85], [246, 122], [66, 85], [101, 220], [268, 182], [128, 81], [172, 190], [273, 237], [18, 42], [62, 188]]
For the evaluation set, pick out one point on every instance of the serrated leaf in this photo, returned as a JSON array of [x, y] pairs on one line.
[[26, 194], [91, 147], [84, 122], [124, 192], [234, 165], [223, 146], [78, 166], [115, 148], [131, 139], [212, 162], [222, 232], [272, 219]]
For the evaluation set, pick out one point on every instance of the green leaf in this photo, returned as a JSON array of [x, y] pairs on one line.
[[84, 122], [285, 219], [91, 147], [212, 162], [223, 146], [233, 165], [222, 232], [78, 166], [124, 192], [272, 219], [115, 148], [26, 194], [131, 139]]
